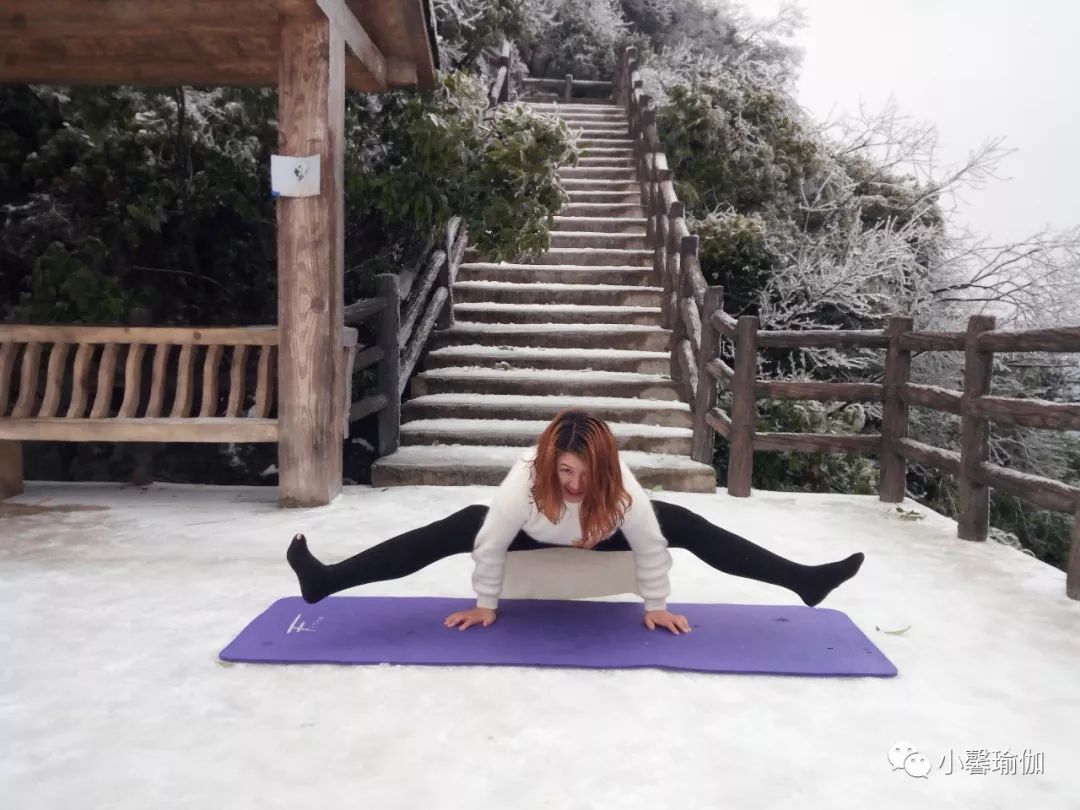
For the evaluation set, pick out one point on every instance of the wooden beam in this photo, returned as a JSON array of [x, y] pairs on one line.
[[160, 47], [1036, 413], [140, 430], [823, 339], [357, 39], [1045, 492], [869, 443], [947, 460], [1062, 339], [820, 391], [239, 72], [311, 120], [79, 17], [210, 336], [399, 30], [973, 521], [11, 468], [400, 73], [931, 396], [1072, 568], [422, 52]]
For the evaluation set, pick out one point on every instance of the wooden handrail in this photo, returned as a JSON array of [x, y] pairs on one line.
[[696, 364], [176, 335]]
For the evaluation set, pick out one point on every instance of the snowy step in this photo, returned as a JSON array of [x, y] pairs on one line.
[[590, 113], [601, 121], [558, 274], [606, 256], [598, 295], [604, 142], [555, 314], [640, 362], [464, 465], [606, 161], [599, 130], [670, 413], [604, 209], [555, 99], [554, 335], [601, 224], [624, 197], [600, 184], [578, 106], [597, 239], [584, 256], [609, 152], [627, 174], [549, 382], [524, 432]]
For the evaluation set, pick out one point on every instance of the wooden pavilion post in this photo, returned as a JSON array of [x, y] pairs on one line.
[[310, 242]]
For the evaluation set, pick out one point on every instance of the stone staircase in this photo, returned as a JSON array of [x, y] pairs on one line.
[[579, 327]]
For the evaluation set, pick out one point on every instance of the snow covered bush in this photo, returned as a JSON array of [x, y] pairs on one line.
[[436, 155], [581, 37]]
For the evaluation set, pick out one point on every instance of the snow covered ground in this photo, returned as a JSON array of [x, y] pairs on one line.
[[116, 602]]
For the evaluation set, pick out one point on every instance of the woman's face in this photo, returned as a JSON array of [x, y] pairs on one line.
[[572, 477]]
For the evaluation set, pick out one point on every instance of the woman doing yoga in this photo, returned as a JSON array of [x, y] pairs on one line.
[[570, 489]]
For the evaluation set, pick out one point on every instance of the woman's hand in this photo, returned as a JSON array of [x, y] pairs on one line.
[[672, 621], [467, 618]]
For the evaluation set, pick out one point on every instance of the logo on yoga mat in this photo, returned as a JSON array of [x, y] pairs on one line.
[[298, 626]]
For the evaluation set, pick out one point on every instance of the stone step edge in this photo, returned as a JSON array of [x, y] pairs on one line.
[[479, 350], [463, 455], [533, 427], [519, 286]]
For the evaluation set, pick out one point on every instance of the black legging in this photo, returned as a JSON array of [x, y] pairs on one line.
[[456, 533]]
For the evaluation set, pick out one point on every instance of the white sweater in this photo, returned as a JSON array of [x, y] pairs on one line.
[[512, 510]]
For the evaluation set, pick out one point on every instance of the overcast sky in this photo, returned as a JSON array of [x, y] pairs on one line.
[[975, 68]]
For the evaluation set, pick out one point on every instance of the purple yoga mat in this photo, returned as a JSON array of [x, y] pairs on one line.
[[759, 639]]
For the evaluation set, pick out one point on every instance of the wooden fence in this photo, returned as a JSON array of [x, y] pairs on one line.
[[693, 310], [565, 87], [408, 306]]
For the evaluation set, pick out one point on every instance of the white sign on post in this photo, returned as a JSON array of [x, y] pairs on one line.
[[294, 176]]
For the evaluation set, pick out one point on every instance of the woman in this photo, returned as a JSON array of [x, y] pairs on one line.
[[570, 489]]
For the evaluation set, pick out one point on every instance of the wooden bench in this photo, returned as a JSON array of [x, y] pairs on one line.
[[60, 383]]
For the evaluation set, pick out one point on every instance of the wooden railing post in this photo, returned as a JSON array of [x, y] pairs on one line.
[[688, 248], [389, 368], [743, 408], [974, 520], [701, 446], [568, 90], [618, 81], [445, 277], [442, 281], [892, 485], [671, 266], [504, 62], [11, 469], [1072, 569]]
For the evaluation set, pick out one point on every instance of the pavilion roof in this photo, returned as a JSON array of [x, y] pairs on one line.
[[390, 43]]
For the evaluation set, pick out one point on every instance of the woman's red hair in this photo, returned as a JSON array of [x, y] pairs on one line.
[[605, 501]]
